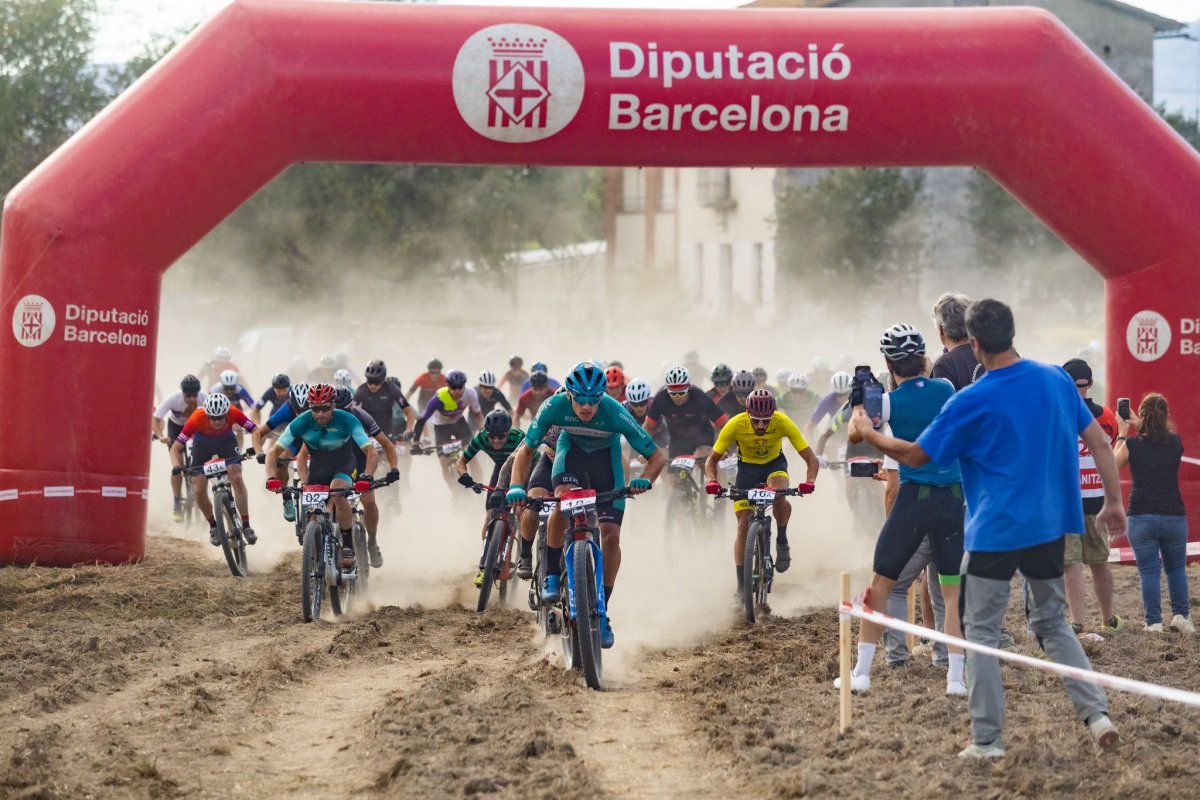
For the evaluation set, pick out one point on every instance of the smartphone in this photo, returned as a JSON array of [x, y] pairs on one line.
[[869, 394], [1123, 408], [863, 469]]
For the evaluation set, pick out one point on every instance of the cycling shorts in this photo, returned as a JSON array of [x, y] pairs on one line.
[[206, 448], [923, 510], [325, 465], [459, 429], [360, 458], [173, 430], [596, 470], [752, 476], [539, 478], [688, 445]]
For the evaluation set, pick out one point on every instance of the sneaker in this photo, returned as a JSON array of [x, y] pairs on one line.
[[783, 556], [177, 513], [991, 750], [213, 538], [289, 509], [859, 684], [525, 568], [1183, 625], [374, 554], [348, 562], [1103, 733], [479, 580], [606, 633], [956, 688], [249, 535], [903, 664], [1155, 628], [550, 590], [1077, 628], [1113, 625]]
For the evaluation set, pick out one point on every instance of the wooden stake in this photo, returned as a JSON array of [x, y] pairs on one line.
[[844, 634], [909, 639]]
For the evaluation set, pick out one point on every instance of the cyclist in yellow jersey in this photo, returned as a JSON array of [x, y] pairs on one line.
[[759, 433]]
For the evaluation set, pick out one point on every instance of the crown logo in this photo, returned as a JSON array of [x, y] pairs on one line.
[[1147, 322], [516, 46]]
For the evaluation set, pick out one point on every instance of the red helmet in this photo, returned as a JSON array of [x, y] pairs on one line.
[[760, 404], [615, 375], [321, 394]]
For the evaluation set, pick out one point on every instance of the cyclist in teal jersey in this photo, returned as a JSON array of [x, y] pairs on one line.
[[588, 455]]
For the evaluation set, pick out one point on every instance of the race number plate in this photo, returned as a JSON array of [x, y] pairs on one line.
[[314, 495], [451, 448], [584, 498], [757, 495], [728, 463], [687, 463], [214, 468], [545, 511]]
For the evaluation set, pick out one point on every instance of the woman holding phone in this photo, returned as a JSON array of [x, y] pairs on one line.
[[1157, 519]]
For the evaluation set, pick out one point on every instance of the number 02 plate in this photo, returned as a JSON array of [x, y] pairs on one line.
[[313, 498]]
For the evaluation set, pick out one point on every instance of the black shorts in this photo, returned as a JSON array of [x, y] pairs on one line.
[[444, 434], [539, 478], [751, 476], [687, 445], [173, 430], [922, 510], [205, 448], [325, 465], [1043, 562], [593, 470]]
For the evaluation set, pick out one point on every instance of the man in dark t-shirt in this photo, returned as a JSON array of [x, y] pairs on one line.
[[958, 364]]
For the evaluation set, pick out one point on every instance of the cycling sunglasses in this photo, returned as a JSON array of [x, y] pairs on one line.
[[684, 393], [587, 399], [320, 409]]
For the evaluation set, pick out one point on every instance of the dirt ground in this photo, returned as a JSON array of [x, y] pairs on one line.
[[170, 678]]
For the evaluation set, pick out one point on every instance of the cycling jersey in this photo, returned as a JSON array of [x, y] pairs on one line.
[[445, 410], [730, 405], [515, 378], [659, 434], [690, 423], [838, 424], [487, 404], [799, 404], [342, 427], [553, 384], [531, 402], [269, 398], [366, 420], [281, 416], [380, 402], [174, 407], [428, 384], [610, 423], [480, 443], [198, 424], [828, 406], [908, 409], [756, 449], [243, 396]]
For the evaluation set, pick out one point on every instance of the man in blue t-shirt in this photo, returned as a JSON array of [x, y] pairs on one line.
[[1020, 478]]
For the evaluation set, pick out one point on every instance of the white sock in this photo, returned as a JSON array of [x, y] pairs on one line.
[[955, 672], [866, 654]]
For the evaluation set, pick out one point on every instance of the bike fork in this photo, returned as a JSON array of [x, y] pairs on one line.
[[601, 608]]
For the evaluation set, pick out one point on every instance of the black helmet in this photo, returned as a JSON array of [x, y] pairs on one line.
[[743, 382], [281, 381], [539, 380], [190, 384], [435, 364], [342, 397], [498, 422], [394, 381], [376, 371], [722, 373]]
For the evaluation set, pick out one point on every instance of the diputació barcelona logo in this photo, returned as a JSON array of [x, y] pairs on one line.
[[33, 320], [517, 83], [1148, 335]]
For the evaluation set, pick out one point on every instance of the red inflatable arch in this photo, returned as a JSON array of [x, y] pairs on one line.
[[88, 235]]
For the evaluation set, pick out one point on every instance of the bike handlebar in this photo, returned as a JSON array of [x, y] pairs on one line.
[[375, 484], [733, 493], [229, 462], [601, 497]]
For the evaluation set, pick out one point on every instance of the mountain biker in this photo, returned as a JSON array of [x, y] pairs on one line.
[[297, 402], [820, 375], [222, 360], [515, 377], [448, 411], [343, 399], [428, 382], [734, 401], [759, 432], [331, 437], [211, 427], [342, 377], [341, 360], [176, 409], [536, 368], [721, 376], [532, 398], [798, 402], [323, 372], [690, 415], [588, 455], [840, 385], [637, 403], [489, 395], [275, 396], [381, 398], [498, 439], [616, 383], [781, 382], [230, 384], [760, 380]]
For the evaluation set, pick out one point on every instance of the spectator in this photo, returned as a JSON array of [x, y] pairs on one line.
[[1090, 547], [1021, 480], [958, 364], [1157, 521]]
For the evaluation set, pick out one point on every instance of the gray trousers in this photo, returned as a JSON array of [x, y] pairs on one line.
[[986, 603], [897, 606]]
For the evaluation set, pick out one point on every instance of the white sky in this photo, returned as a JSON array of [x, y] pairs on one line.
[[125, 26]]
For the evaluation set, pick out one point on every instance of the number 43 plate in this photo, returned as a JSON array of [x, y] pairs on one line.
[[755, 495], [214, 468]]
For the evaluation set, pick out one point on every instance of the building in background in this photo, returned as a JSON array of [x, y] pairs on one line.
[[1177, 71]]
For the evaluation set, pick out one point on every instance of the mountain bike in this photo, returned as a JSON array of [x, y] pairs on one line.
[[446, 454], [758, 570], [549, 617], [229, 521], [688, 509], [499, 554], [320, 566]]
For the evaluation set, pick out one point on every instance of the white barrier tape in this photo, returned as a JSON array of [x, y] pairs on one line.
[[72, 491], [1190, 460], [1089, 676], [1124, 555]]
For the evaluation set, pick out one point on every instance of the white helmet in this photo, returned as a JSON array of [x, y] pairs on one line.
[[341, 359], [328, 362], [487, 378], [637, 392], [217, 405], [781, 377], [676, 376], [342, 378], [229, 379], [300, 394], [798, 381], [841, 382], [222, 354], [820, 364]]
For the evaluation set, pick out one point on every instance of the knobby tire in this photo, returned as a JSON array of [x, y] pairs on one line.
[[752, 557], [587, 623], [312, 584], [231, 544], [490, 560]]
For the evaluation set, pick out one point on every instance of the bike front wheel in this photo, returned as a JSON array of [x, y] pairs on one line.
[[750, 570], [312, 578], [491, 560], [232, 543], [358, 587], [587, 619]]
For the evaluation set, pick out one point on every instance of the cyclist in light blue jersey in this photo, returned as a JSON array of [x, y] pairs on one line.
[[588, 455]]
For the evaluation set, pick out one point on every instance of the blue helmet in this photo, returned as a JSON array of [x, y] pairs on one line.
[[587, 379]]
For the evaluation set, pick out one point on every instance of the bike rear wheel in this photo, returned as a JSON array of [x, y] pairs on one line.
[[587, 620], [358, 587], [312, 579], [752, 558], [491, 562], [189, 502], [232, 543]]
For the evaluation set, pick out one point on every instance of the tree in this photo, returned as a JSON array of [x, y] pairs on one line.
[[48, 89]]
